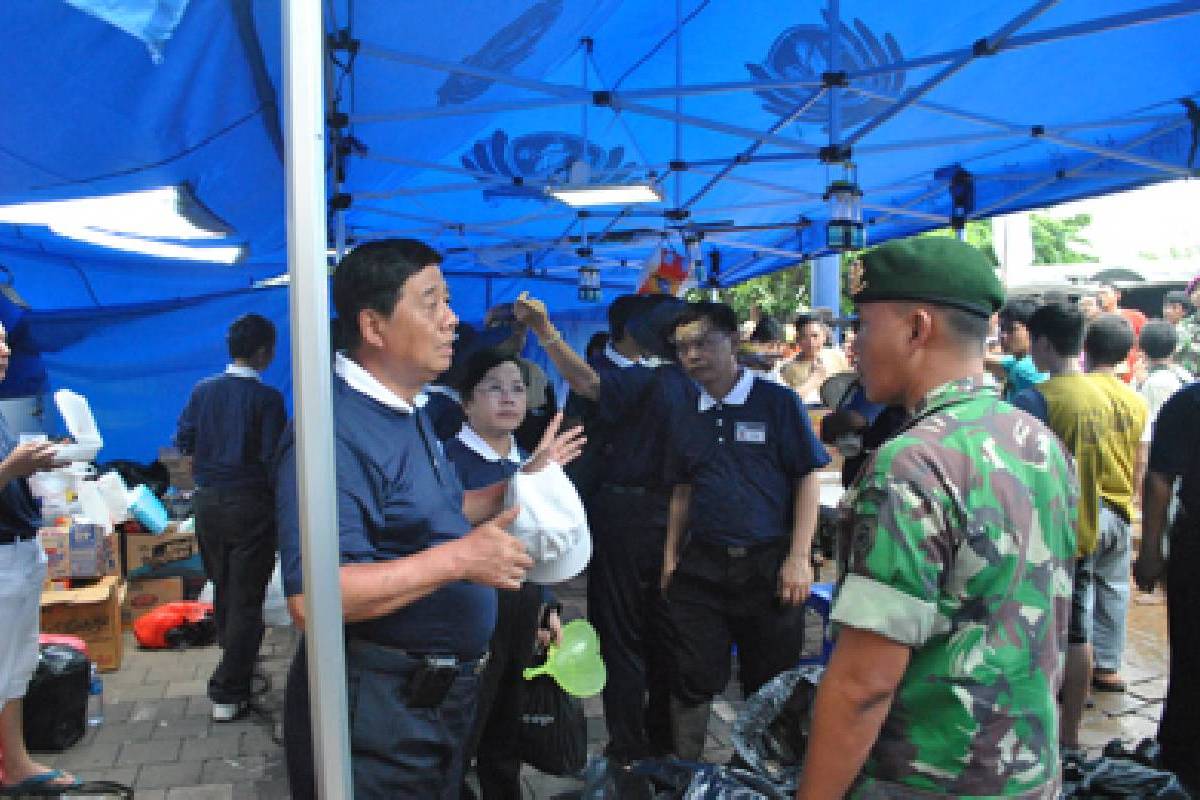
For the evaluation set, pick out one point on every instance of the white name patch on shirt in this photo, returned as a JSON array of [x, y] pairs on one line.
[[751, 432]]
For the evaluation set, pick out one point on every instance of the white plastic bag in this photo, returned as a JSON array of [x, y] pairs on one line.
[[552, 524]]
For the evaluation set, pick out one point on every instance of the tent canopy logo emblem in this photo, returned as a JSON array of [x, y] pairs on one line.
[[511, 45], [802, 53], [540, 158]]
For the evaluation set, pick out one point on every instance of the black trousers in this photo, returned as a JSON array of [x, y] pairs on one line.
[[1179, 729], [717, 599], [625, 607], [396, 752], [236, 532], [494, 737]]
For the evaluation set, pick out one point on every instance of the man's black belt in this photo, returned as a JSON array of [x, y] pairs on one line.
[[738, 551], [635, 491], [392, 658], [11, 539]]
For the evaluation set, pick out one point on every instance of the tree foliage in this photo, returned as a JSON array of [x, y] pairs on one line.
[[1054, 239]]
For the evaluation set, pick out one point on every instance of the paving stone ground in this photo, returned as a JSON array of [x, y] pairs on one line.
[[157, 736]]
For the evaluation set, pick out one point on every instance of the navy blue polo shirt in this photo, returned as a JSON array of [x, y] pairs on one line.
[[477, 463], [743, 456], [231, 427], [637, 403], [397, 495], [19, 515]]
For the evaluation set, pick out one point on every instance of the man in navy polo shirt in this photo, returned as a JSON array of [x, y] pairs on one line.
[[631, 399], [743, 511], [231, 426], [417, 579]]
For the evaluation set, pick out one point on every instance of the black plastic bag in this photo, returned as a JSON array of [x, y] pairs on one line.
[[770, 735], [1107, 777], [55, 708], [553, 729]]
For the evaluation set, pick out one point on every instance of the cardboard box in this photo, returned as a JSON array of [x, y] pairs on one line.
[[90, 551], [92, 613], [162, 555], [81, 550], [143, 596], [56, 542]]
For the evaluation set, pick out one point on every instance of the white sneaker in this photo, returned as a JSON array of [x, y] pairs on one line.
[[227, 712]]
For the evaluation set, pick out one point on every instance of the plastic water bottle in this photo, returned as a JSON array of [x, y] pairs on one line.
[[95, 703]]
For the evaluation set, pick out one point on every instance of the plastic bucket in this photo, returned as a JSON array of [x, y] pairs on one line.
[[147, 509]]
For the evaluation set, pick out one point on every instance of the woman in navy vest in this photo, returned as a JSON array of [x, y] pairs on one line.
[[485, 452]]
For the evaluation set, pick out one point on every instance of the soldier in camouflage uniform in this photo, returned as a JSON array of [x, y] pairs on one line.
[[959, 535], [1187, 352]]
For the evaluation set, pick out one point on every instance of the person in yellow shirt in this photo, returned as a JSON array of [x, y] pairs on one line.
[[1100, 420]]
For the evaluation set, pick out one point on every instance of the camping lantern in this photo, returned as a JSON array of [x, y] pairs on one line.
[[845, 230], [589, 284]]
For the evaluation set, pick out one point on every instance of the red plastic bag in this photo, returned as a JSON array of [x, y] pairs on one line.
[[182, 624]]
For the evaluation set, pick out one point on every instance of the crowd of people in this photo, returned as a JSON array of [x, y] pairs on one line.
[[993, 455], [996, 457]]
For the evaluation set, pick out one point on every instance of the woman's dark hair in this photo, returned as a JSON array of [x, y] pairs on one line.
[[1158, 339], [1062, 324], [479, 364], [1108, 341], [371, 276], [248, 334]]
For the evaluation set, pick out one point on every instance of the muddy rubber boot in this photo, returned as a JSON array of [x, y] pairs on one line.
[[689, 725]]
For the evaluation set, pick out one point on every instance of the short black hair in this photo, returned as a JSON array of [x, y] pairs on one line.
[[967, 327], [806, 319], [718, 315], [248, 334], [1177, 297], [1108, 340], [1062, 324], [479, 364], [1158, 339], [1019, 309], [371, 277], [620, 311], [767, 330], [596, 344]]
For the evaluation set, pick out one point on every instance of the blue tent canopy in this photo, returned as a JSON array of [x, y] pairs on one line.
[[448, 121]]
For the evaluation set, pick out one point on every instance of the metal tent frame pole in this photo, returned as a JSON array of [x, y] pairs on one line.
[[304, 131]]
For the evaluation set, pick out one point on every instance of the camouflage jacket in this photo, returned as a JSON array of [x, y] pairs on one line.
[[958, 539], [1187, 351]]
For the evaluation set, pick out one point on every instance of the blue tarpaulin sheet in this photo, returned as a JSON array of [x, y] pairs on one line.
[[449, 120]]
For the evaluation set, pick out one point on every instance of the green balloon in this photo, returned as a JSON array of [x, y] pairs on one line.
[[574, 663]]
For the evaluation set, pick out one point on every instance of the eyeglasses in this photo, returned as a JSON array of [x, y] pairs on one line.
[[708, 341]]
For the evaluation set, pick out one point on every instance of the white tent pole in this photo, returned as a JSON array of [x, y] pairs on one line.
[[304, 132]]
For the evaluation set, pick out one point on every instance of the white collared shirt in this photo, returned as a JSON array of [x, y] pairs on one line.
[[475, 443], [616, 358], [357, 377], [736, 397], [238, 371]]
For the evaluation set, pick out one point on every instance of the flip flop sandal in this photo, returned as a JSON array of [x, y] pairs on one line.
[[43, 780]]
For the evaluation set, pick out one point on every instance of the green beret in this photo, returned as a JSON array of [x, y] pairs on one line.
[[932, 269]]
